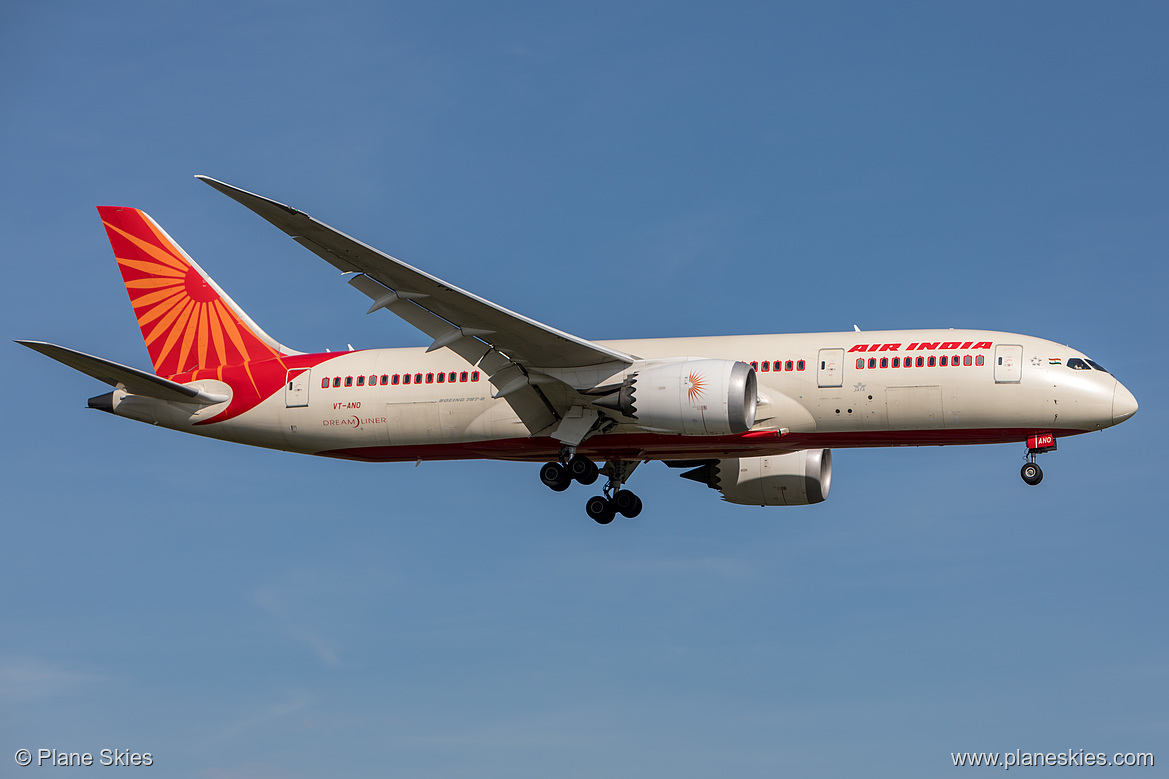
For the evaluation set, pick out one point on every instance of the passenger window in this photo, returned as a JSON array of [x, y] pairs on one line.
[[474, 375], [954, 360], [980, 360], [944, 361], [755, 365], [860, 362], [430, 378], [896, 362], [397, 378], [385, 379], [324, 383], [463, 376], [442, 378], [766, 366], [799, 365], [348, 381], [417, 378], [884, 362], [360, 381], [405, 378], [336, 381], [933, 361], [920, 361], [787, 366], [966, 360], [372, 380]]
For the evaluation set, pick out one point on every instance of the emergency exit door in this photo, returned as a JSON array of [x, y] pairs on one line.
[[829, 371], [1008, 364]]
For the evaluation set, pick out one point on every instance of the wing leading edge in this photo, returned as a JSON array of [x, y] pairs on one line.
[[512, 349], [525, 340]]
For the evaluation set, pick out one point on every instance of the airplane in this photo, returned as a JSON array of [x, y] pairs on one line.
[[754, 417]]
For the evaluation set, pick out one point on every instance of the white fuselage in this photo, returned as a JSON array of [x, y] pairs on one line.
[[813, 393]]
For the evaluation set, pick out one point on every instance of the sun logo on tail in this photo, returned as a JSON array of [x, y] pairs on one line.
[[697, 384], [185, 321]]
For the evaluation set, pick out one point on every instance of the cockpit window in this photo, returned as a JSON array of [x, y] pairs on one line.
[[1097, 366], [1076, 364]]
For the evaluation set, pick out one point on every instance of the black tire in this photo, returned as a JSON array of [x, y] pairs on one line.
[[554, 475], [1031, 473], [627, 503], [600, 509], [583, 469]]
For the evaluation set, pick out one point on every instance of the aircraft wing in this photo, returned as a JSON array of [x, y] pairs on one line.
[[512, 349], [525, 340]]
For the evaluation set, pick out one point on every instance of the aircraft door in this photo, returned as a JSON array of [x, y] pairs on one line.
[[1008, 364], [829, 371], [296, 386]]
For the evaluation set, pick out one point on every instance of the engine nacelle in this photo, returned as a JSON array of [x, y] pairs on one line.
[[689, 395], [795, 479]]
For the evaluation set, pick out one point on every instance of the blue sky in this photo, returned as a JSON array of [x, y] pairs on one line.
[[615, 170]]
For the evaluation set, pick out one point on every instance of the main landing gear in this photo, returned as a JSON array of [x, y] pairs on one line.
[[614, 500]]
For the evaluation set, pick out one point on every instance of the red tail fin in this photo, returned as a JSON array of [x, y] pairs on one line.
[[187, 321]]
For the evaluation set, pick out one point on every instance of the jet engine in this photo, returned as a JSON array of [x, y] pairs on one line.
[[689, 395], [795, 479]]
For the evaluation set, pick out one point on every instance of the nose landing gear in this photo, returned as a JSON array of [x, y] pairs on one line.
[[1036, 444]]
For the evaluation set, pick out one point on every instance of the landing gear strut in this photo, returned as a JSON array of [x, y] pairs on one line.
[[602, 508], [615, 500]]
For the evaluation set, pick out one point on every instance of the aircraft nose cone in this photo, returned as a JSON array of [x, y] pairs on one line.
[[1124, 405]]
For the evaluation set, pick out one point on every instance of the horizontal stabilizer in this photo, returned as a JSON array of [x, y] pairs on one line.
[[130, 379]]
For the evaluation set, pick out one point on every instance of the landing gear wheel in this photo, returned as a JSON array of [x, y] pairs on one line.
[[583, 469], [601, 509], [1032, 474], [555, 476], [627, 503]]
